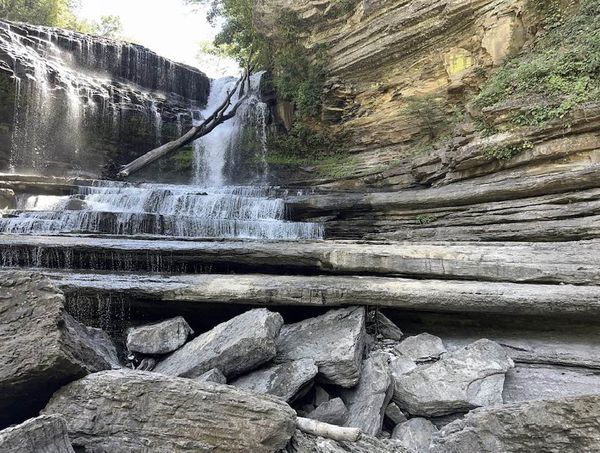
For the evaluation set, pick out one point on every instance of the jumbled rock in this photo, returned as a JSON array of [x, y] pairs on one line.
[[45, 434], [160, 338]]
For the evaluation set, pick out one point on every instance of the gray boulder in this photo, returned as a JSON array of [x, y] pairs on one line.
[[45, 434], [415, 434], [462, 380], [213, 375], [368, 400], [333, 412], [285, 381], [132, 411], [394, 414], [234, 347], [160, 338], [421, 348], [307, 443], [334, 341], [42, 347], [544, 426], [321, 396]]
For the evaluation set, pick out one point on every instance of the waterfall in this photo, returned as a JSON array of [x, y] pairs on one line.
[[217, 155], [80, 101]]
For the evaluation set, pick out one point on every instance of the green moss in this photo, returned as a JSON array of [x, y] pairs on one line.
[[563, 67], [425, 219], [506, 152]]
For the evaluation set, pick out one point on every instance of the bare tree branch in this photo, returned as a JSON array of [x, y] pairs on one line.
[[221, 114]]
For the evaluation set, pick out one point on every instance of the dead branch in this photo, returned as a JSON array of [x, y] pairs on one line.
[[221, 114]]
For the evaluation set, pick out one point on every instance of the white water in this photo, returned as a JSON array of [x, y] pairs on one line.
[[212, 151]]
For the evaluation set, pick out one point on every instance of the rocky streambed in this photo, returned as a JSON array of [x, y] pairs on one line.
[[346, 380]]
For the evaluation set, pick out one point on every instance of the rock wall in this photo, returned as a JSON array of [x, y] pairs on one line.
[[386, 57], [73, 103]]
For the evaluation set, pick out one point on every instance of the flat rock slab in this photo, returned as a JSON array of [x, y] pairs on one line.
[[285, 381], [462, 380], [334, 341], [45, 434], [234, 347], [561, 425], [368, 401], [159, 338], [415, 434], [132, 411], [307, 443], [42, 347]]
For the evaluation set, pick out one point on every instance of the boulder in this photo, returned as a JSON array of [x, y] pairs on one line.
[[160, 338], [394, 414], [41, 345], [544, 426], [335, 341], [333, 412], [45, 434], [415, 434], [379, 324], [368, 401], [234, 347], [285, 381], [421, 348], [321, 395], [131, 411], [462, 380], [307, 443], [213, 375]]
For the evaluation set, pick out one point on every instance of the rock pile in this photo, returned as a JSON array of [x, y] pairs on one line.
[[345, 381]]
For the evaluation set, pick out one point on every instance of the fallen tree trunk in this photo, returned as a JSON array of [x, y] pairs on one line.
[[219, 116], [328, 431]]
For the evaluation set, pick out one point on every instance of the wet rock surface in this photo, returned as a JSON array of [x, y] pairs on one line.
[[285, 380], [45, 434], [234, 347], [42, 347], [159, 338], [335, 341], [129, 411], [462, 380]]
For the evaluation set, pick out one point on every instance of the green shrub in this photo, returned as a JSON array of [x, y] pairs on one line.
[[506, 152]]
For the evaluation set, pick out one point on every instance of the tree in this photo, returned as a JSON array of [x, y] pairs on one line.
[[109, 27], [52, 13]]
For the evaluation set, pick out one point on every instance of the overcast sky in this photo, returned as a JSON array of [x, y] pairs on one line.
[[169, 27]]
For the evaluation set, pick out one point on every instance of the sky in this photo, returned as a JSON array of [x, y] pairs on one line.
[[169, 27]]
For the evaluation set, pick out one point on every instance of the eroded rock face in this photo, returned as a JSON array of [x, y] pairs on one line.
[[45, 434], [335, 341], [159, 338], [285, 380], [234, 347], [462, 380], [42, 347], [7, 199], [213, 375], [565, 425], [415, 434], [368, 401], [130, 411]]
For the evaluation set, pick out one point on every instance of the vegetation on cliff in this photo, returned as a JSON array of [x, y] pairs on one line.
[[562, 69]]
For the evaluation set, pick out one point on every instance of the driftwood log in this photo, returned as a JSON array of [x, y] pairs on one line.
[[328, 431], [221, 114]]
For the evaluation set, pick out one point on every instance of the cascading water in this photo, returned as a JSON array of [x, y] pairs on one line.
[[81, 101], [217, 155]]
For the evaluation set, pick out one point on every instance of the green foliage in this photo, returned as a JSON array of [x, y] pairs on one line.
[[108, 27], [425, 219], [53, 13], [430, 112], [563, 68], [506, 152]]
